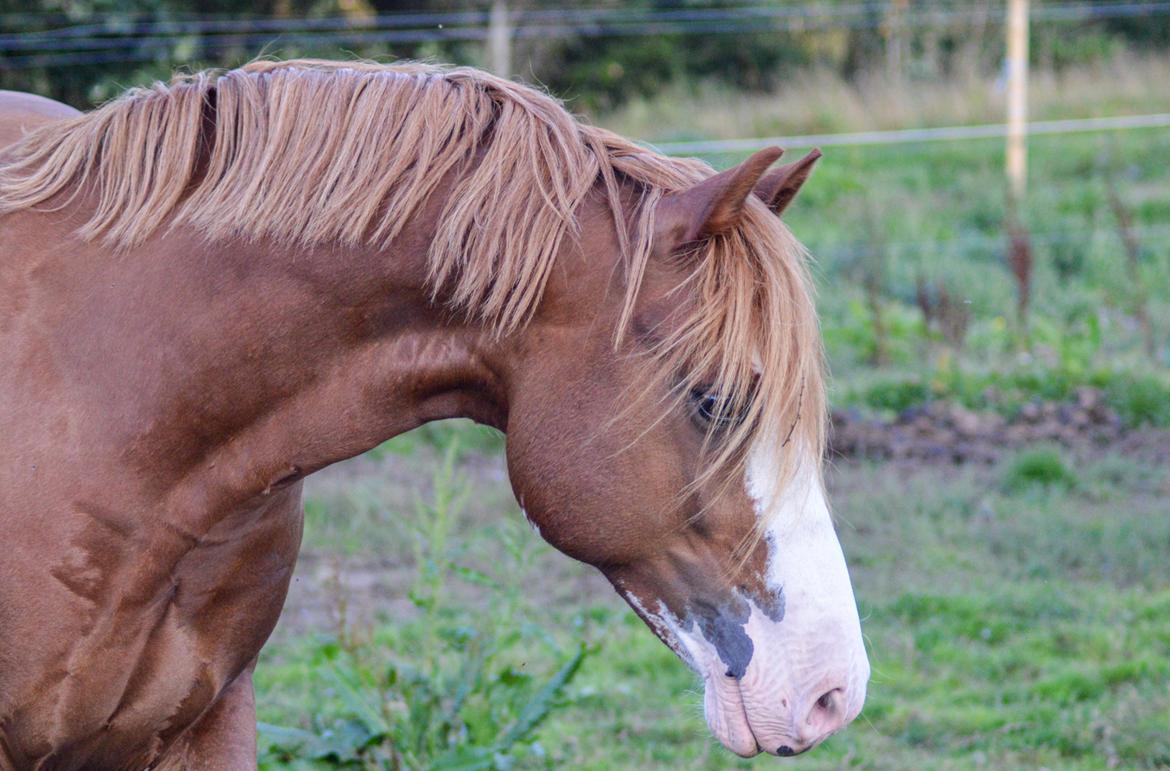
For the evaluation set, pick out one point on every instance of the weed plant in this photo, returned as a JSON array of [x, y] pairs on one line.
[[455, 687]]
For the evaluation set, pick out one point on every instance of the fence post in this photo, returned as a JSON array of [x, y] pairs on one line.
[[895, 29], [500, 39], [1017, 98]]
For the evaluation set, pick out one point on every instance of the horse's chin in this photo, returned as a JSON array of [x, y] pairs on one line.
[[726, 716], [788, 695]]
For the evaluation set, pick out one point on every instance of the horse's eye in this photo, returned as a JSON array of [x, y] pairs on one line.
[[711, 407]]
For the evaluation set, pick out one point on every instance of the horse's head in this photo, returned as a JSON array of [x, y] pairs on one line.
[[685, 462]]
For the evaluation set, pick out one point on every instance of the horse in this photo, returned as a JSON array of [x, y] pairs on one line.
[[213, 287]]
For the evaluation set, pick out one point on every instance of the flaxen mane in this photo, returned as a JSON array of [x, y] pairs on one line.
[[307, 152]]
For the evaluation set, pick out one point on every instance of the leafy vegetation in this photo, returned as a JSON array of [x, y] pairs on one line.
[[451, 688], [681, 44]]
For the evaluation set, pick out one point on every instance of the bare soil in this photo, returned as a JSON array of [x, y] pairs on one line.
[[950, 433]]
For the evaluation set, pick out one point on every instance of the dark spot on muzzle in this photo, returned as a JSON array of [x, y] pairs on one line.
[[785, 751], [722, 624], [723, 628]]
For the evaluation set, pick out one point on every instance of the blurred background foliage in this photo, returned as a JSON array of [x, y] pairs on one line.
[[599, 54]]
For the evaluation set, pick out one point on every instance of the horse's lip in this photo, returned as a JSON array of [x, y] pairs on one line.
[[730, 710]]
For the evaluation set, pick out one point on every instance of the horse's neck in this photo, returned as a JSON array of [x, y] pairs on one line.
[[339, 350], [240, 366]]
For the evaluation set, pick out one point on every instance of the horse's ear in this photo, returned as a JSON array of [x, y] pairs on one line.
[[777, 188], [713, 205]]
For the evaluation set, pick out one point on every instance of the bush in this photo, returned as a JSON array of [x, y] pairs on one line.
[[1042, 467], [482, 714]]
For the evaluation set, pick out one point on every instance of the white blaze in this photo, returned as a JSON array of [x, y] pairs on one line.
[[814, 649], [817, 646], [805, 560]]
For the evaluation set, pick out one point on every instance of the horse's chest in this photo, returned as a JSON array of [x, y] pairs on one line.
[[161, 624]]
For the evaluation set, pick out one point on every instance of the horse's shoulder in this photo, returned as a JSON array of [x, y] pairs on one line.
[[20, 113]]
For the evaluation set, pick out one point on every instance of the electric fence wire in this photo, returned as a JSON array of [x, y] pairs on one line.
[[123, 38]]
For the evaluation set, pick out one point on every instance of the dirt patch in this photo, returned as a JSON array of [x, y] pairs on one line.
[[951, 433]]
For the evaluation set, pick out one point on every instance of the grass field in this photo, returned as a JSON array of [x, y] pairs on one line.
[[1016, 616], [821, 101]]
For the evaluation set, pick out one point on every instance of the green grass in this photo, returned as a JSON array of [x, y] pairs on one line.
[[937, 210], [1009, 624]]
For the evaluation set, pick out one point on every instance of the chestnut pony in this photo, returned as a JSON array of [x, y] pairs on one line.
[[211, 289]]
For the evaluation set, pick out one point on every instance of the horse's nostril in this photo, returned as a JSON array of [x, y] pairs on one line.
[[785, 751], [828, 713]]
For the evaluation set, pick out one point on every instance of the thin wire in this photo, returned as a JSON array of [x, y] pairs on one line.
[[868, 11], [906, 136], [987, 242], [151, 39]]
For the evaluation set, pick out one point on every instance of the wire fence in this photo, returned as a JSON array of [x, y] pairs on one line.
[[971, 242], [111, 37], [904, 136]]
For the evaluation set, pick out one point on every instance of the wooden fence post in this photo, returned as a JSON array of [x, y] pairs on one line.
[[1017, 98], [500, 39]]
